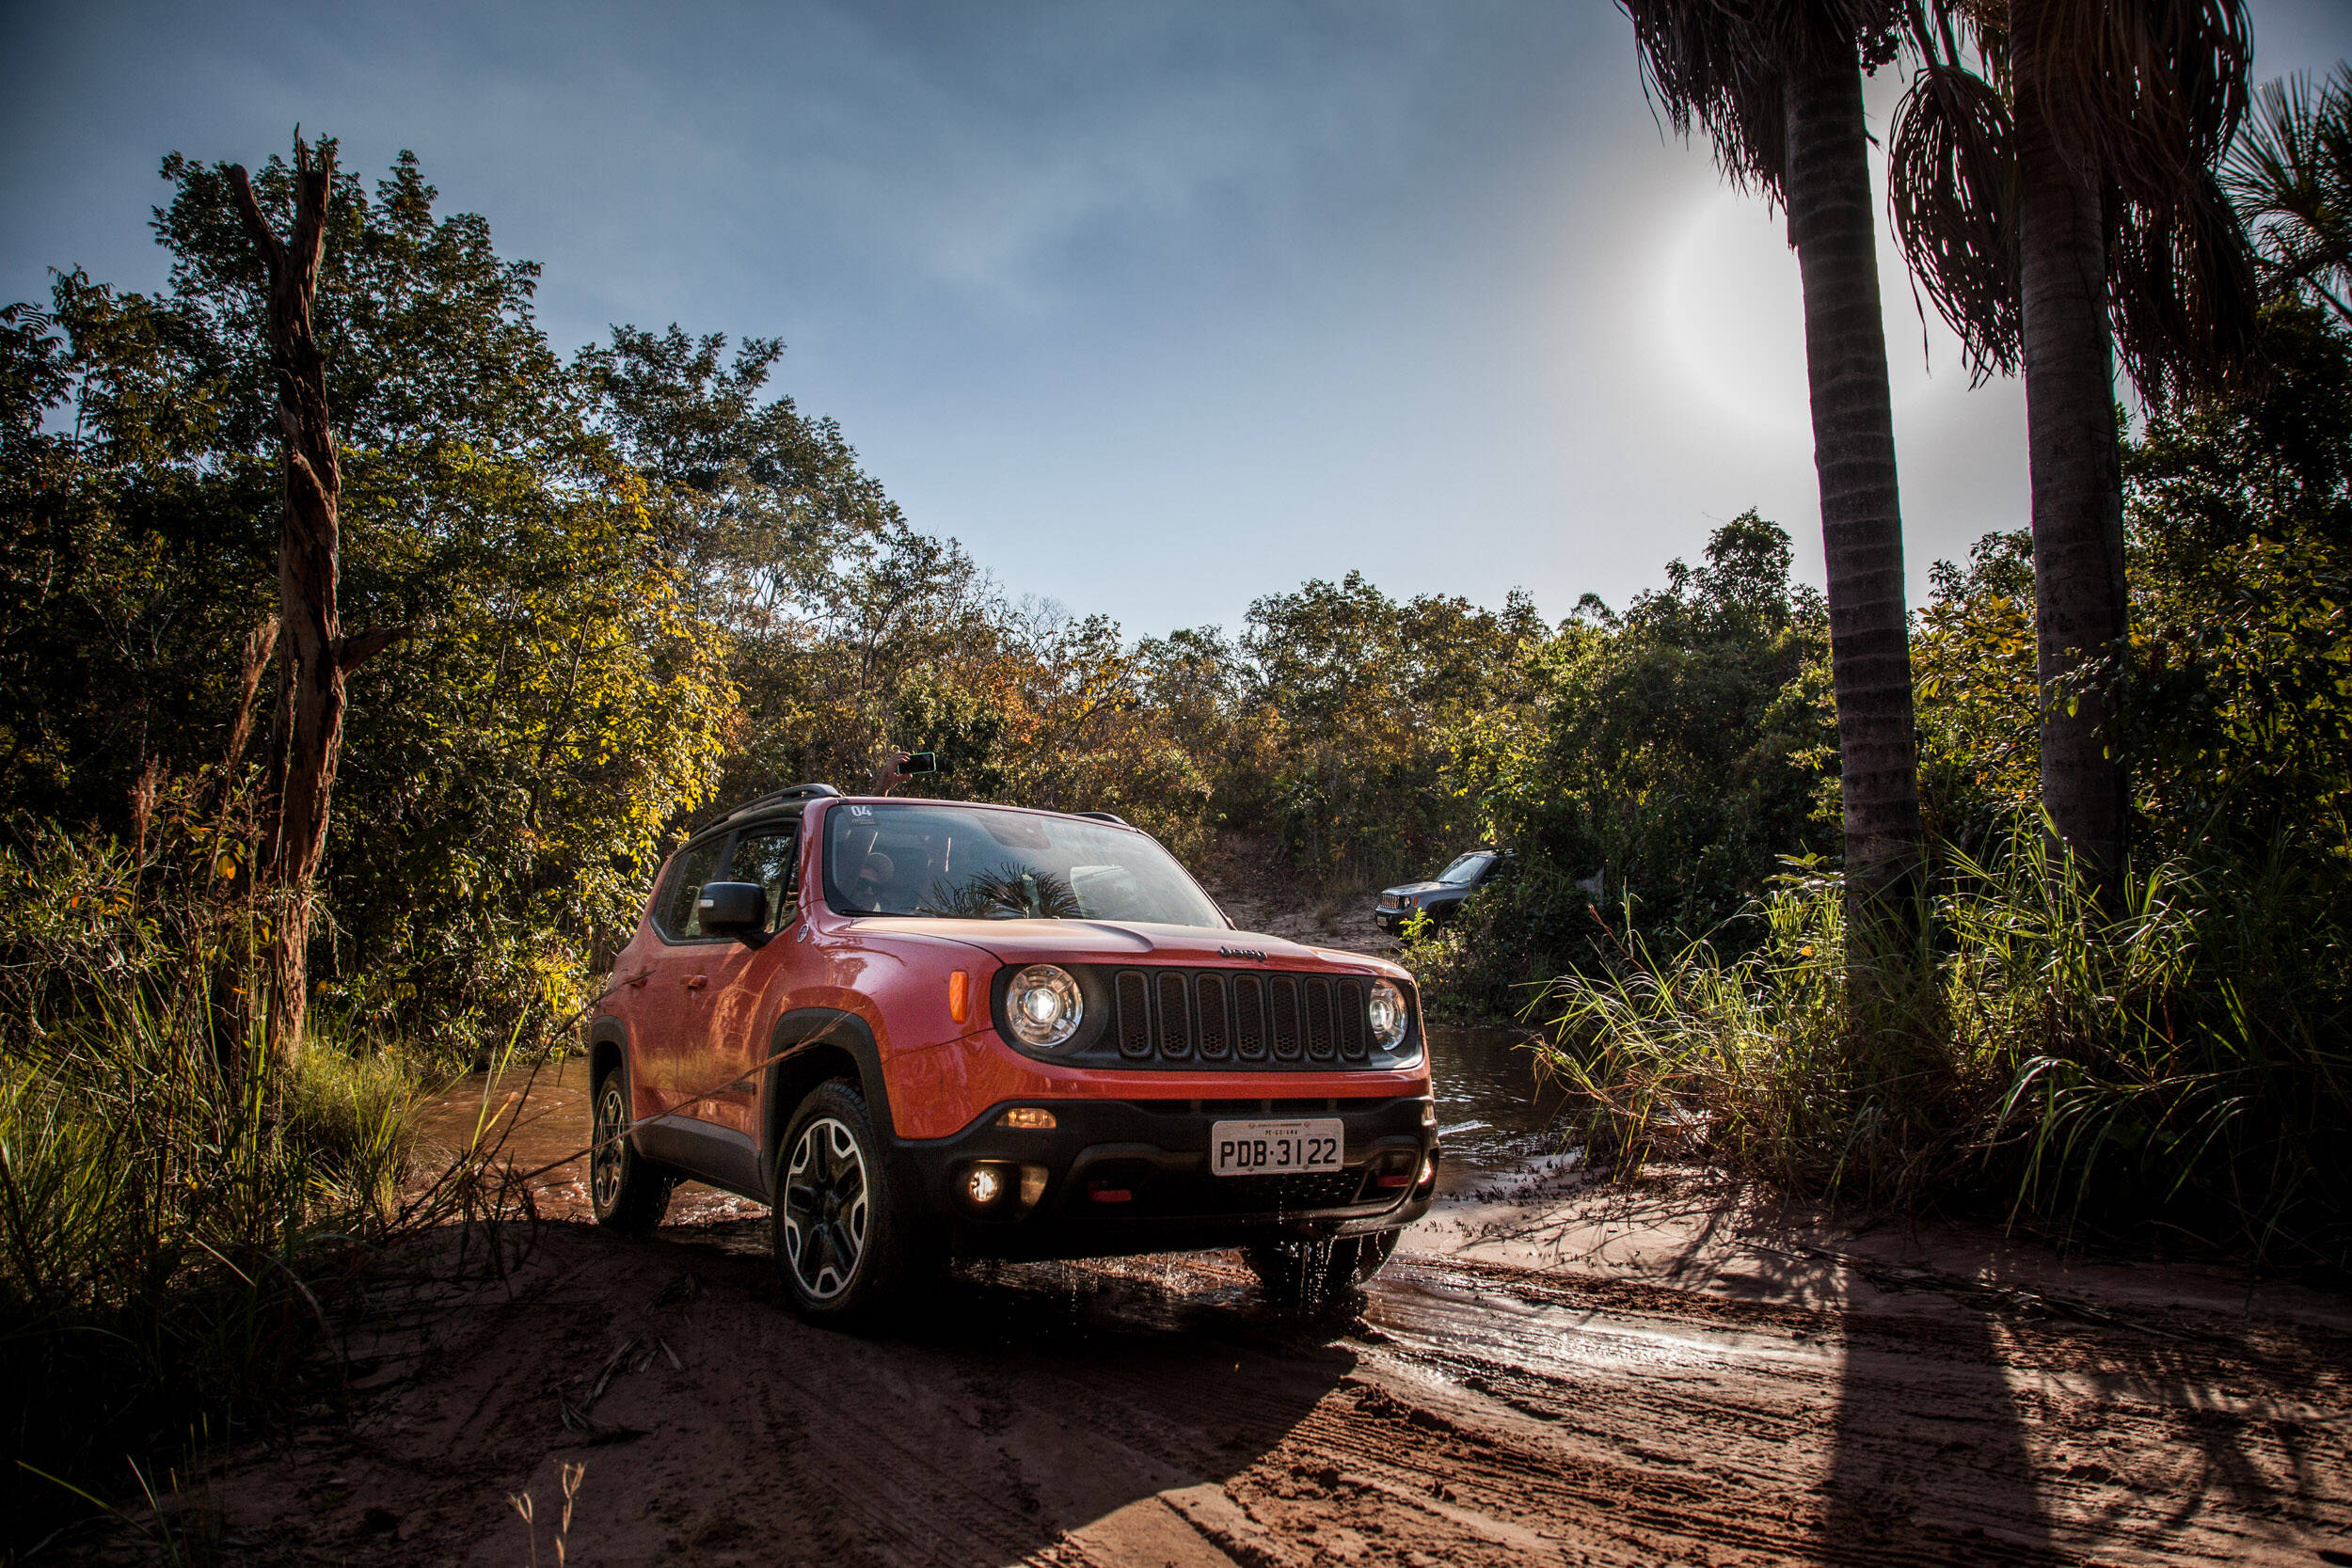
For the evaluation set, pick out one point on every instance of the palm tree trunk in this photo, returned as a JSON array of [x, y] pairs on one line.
[[1831, 225], [2076, 469]]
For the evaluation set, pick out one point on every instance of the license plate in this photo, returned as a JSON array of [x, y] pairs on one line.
[[1277, 1147]]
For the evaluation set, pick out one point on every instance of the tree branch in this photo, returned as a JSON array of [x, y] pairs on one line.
[[353, 651]]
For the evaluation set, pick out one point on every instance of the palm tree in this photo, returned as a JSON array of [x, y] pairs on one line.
[[1777, 86], [2290, 176], [2061, 207]]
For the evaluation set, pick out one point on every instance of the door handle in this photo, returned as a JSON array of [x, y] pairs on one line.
[[695, 982]]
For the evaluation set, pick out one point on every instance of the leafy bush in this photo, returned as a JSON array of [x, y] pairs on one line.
[[1504, 945]]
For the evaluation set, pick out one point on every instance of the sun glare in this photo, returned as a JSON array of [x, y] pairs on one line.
[[1729, 301]]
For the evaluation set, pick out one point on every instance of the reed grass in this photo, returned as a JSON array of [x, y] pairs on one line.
[[2181, 1059], [176, 1208]]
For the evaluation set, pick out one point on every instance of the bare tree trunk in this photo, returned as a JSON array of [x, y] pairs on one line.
[[1830, 223], [311, 641], [2077, 470]]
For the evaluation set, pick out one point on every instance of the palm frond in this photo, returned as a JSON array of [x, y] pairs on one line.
[[2289, 174], [2181, 291], [2149, 92], [1707, 67], [1951, 188], [1720, 66]]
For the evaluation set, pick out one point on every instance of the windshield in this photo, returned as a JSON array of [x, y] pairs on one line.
[[967, 863], [1465, 870]]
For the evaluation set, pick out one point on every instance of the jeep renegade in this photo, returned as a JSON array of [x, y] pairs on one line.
[[920, 1028]]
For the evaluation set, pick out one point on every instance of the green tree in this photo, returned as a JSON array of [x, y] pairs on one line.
[[1677, 752], [509, 777], [1351, 692], [2238, 683]]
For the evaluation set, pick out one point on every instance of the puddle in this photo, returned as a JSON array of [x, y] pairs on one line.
[[1492, 1116], [535, 1121]]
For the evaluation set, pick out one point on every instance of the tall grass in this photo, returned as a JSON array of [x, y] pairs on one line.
[[2184, 1059], [175, 1207]]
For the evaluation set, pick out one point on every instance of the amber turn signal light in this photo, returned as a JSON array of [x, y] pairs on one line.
[[959, 995], [1035, 1118]]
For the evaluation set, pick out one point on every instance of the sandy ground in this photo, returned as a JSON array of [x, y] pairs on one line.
[[1548, 1373]]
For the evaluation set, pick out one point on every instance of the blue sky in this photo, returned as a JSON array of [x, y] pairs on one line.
[[1157, 307]]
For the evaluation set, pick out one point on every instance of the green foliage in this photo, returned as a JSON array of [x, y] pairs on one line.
[[2237, 691], [1668, 758], [2184, 1059], [1505, 945], [508, 773], [173, 1209], [1351, 693], [2240, 517], [1973, 657]]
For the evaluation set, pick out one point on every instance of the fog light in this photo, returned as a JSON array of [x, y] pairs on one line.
[[1034, 1117], [983, 1186]]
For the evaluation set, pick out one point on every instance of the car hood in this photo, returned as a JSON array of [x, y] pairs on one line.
[[1416, 889], [1123, 941]]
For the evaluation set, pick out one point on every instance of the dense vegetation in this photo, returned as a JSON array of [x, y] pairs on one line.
[[2179, 1052], [638, 585]]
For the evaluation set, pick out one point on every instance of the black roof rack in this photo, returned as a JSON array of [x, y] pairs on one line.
[[1104, 817], [785, 796]]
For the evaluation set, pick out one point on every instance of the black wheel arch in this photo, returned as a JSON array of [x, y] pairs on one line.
[[825, 1043], [608, 1049]]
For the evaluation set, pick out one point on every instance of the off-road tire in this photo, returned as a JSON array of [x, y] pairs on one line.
[[843, 1242], [626, 1192], [1319, 1276]]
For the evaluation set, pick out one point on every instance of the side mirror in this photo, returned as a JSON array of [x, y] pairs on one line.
[[731, 909]]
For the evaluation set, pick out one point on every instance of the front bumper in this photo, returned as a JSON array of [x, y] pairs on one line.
[[1156, 1153]]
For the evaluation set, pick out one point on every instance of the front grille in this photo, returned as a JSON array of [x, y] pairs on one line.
[[1208, 1018]]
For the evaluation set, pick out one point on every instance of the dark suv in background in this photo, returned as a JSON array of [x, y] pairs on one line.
[[1442, 894]]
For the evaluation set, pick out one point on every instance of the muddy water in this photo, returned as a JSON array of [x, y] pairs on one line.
[[533, 1119], [1492, 1114]]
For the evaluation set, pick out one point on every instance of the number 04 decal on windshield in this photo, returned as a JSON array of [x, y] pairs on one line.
[[1277, 1147]]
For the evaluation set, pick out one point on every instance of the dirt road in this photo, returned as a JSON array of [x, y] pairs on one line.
[[1550, 1373]]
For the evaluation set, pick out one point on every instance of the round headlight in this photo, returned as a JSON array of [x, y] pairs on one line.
[[1043, 1006], [1387, 1009]]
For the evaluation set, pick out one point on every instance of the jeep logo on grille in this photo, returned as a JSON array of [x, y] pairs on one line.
[[1256, 953]]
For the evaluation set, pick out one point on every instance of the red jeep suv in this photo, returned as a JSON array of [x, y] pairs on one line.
[[918, 1028]]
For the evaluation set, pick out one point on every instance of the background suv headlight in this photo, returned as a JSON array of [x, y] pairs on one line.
[[1386, 1009], [1042, 1005]]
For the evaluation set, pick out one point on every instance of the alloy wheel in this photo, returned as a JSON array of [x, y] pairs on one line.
[[824, 1208], [604, 1161]]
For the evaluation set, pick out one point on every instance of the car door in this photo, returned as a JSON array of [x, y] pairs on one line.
[[749, 982], [671, 1015]]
